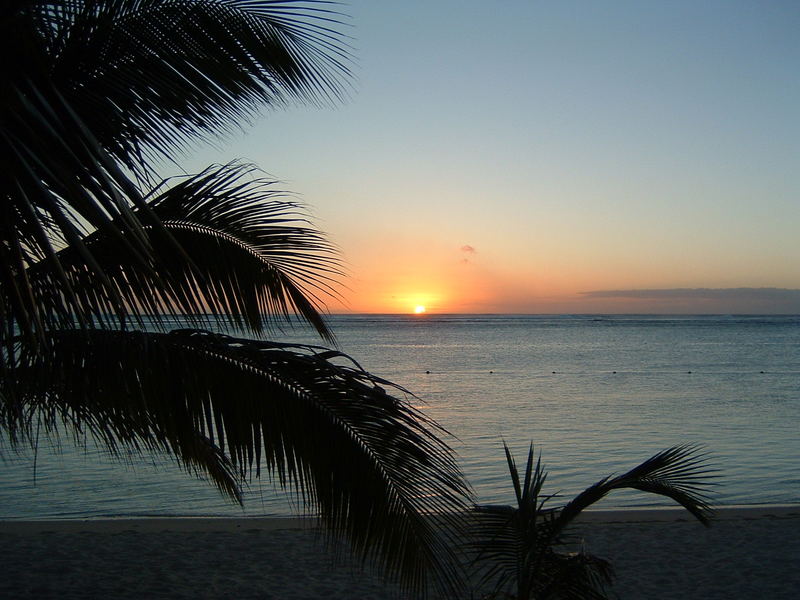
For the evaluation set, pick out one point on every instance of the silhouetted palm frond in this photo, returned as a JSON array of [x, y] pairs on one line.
[[375, 467], [680, 473], [244, 254], [94, 90], [150, 76]]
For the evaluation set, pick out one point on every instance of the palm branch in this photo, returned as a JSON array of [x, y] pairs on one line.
[[247, 257], [96, 90], [374, 467], [680, 473], [152, 76], [517, 547]]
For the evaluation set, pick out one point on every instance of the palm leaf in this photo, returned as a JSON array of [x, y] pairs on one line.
[[247, 256], [92, 84], [680, 473], [153, 76], [57, 184], [94, 92], [372, 465]]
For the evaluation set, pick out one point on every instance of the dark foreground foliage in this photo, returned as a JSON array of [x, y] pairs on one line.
[[97, 256]]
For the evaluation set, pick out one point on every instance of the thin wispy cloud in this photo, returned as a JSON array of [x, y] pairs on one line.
[[700, 293], [467, 251], [744, 299]]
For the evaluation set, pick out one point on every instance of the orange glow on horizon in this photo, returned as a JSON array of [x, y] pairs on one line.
[[400, 278], [401, 281]]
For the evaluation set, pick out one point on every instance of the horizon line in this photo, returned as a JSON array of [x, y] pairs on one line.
[[575, 314]]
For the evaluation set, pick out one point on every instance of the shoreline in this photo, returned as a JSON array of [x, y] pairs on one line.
[[658, 554], [190, 523]]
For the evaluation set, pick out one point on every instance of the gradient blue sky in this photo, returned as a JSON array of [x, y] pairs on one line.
[[514, 156]]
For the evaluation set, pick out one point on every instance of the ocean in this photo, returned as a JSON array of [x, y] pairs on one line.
[[595, 394]]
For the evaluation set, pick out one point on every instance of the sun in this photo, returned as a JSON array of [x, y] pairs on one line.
[[419, 309]]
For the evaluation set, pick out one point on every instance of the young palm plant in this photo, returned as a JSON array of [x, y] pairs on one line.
[[519, 550], [97, 258]]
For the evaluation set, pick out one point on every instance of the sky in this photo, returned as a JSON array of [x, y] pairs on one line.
[[554, 157]]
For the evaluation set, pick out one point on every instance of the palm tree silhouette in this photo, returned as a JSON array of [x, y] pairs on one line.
[[98, 256], [519, 550]]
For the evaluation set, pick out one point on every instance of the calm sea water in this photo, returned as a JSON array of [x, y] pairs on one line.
[[595, 394]]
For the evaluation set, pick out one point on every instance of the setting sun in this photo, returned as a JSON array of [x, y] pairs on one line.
[[419, 309]]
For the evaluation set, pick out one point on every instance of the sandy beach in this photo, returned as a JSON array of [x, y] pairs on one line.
[[747, 553]]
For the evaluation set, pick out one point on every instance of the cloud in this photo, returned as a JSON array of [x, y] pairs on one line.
[[726, 300], [700, 293], [468, 250]]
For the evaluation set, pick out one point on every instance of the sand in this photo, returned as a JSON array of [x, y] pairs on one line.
[[750, 553]]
